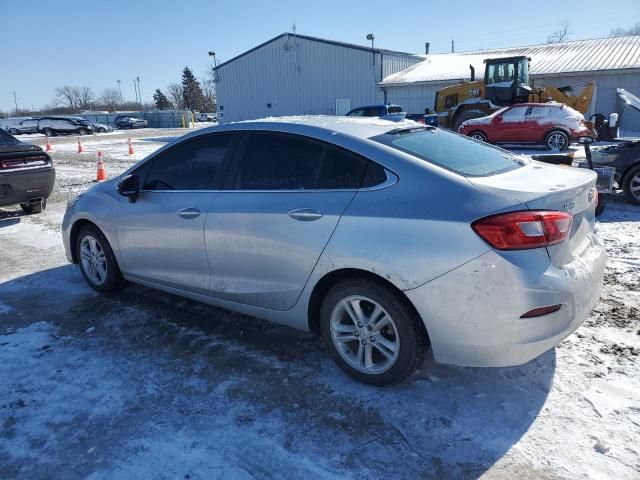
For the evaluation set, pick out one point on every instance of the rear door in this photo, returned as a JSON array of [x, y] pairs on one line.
[[161, 235], [509, 126], [266, 231]]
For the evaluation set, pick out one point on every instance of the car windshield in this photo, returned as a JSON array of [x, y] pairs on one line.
[[451, 151], [394, 109]]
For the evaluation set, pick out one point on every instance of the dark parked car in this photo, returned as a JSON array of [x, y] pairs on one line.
[[125, 121], [624, 156], [375, 111], [101, 127], [26, 174], [29, 125], [52, 126]]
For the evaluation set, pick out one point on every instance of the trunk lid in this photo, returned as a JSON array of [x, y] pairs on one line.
[[549, 187]]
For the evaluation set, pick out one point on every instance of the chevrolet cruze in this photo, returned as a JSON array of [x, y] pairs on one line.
[[386, 238]]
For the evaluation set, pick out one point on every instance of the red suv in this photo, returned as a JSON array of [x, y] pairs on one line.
[[552, 124]]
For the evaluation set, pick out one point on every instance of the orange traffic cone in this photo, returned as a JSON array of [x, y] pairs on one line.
[[101, 174], [130, 147], [80, 149], [47, 145]]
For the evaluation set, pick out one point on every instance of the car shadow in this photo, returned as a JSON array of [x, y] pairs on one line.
[[284, 405]]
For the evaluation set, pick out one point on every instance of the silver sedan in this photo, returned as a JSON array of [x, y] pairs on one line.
[[386, 238]]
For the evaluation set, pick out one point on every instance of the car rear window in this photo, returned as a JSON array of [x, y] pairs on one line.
[[451, 151]]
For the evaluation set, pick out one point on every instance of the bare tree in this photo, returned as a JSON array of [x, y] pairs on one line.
[[621, 32], [85, 97], [110, 98], [67, 96], [176, 95], [562, 34]]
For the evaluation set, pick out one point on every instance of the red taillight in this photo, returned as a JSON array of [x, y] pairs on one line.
[[525, 229], [24, 162]]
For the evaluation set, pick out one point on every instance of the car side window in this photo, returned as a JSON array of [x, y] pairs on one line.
[[191, 165], [290, 162], [341, 169], [515, 114], [279, 162], [357, 113]]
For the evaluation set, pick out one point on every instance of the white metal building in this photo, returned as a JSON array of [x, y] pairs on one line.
[[294, 74], [610, 62]]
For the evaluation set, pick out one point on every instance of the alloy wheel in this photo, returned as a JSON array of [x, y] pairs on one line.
[[634, 186], [364, 334], [93, 260], [556, 141]]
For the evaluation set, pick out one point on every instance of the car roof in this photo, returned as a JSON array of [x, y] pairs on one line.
[[362, 127], [537, 104]]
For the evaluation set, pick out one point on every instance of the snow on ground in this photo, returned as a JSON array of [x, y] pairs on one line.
[[147, 385]]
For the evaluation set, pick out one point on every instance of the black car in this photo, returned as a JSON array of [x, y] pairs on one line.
[[624, 156], [52, 126], [26, 174], [126, 121]]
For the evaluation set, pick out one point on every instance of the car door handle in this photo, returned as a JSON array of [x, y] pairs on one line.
[[189, 213], [305, 214]]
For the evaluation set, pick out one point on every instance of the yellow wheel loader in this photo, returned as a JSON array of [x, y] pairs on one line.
[[506, 81]]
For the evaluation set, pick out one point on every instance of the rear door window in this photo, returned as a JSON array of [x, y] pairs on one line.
[[191, 165], [292, 162], [453, 152]]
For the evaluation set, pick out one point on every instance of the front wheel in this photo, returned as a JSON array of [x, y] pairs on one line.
[[13, 131], [82, 131], [97, 262], [479, 136], [48, 132], [631, 185], [371, 333], [557, 140]]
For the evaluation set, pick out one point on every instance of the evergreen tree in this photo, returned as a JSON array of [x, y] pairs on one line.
[[161, 100], [192, 91]]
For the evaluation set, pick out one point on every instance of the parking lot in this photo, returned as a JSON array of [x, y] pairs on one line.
[[147, 384]]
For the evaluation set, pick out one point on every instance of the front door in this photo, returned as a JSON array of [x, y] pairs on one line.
[[161, 235], [266, 231], [509, 126]]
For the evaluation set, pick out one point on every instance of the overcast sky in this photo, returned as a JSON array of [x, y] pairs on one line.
[[46, 44]]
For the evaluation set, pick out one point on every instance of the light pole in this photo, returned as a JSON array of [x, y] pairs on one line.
[[215, 65], [119, 91], [139, 92], [371, 37]]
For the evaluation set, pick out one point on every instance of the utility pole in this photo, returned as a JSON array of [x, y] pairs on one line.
[[371, 37], [139, 91], [15, 101], [452, 46], [135, 89]]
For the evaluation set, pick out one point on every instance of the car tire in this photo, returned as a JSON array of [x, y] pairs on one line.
[[102, 130], [13, 131], [48, 132], [557, 140], [393, 343], [82, 131], [467, 115], [97, 261], [478, 135], [34, 207], [631, 185]]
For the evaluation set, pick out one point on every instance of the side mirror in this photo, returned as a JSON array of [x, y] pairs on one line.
[[129, 187], [585, 140], [613, 120]]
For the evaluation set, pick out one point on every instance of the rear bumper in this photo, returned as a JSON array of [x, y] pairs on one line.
[[472, 314], [25, 185]]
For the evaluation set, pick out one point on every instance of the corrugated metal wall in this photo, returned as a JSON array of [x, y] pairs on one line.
[[415, 97], [296, 76]]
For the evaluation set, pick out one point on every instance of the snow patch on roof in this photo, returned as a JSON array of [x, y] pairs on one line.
[[577, 56]]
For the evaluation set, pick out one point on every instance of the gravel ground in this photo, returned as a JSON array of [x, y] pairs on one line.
[[148, 385]]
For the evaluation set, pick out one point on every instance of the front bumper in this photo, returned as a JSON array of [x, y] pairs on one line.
[[472, 314], [24, 185]]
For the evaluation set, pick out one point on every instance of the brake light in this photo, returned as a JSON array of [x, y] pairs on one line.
[[524, 230], [23, 162]]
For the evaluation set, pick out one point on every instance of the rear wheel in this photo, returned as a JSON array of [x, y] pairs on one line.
[[48, 132], [631, 185], [478, 135], [370, 333], [557, 140], [97, 262], [34, 207], [467, 115]]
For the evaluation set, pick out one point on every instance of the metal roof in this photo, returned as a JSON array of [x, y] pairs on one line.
[[613, 53], [320, 40]]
